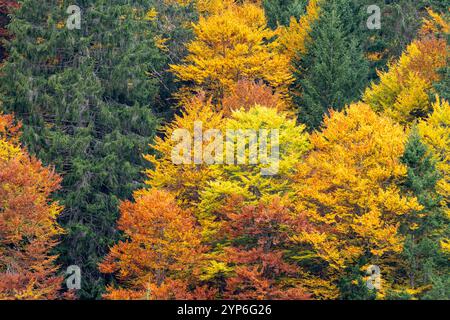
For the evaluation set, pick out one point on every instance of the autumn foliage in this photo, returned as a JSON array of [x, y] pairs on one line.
[[347, 188], [28, 228], [260, 234], [403, 91], [160, 256], [230, 45], [225, 150]]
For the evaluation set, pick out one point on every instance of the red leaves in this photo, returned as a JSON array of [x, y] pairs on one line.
[[259, 236]]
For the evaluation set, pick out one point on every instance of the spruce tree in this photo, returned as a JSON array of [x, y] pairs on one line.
[[6, 6], [334, 71], [443, 87], [85, 97], [423, 262]]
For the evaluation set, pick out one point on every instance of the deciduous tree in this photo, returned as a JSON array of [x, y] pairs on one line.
[[231, 45], [28, 228], [333, 72], [160, 254], [86, 99], [347, 188], [260, 236], [403, 91]]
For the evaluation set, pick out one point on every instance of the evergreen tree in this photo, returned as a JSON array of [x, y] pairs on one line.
[[5, 8], [334, 71], [400, 23], [423, 262], [443, 87], [85, 97], [279, 12], [174, 32]]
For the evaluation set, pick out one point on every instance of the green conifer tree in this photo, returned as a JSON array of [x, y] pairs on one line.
[[85, 97], [279, 12], [334, 71], [423, 262]]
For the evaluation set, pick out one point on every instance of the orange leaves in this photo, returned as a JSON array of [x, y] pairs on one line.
[[161, 252], [435, 24], [28, 228], [246, 94]]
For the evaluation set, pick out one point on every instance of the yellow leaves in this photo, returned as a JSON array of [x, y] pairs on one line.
[[293, 39], [403, 90], [151, 15], [435, 132], [346, 187], [434, 24], [61, 25], [8, 150], [183, 180], [445, 246], [161, 43], [230, 45]]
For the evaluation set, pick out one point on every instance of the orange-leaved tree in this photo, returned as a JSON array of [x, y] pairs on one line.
[[28, 227], [161, 253]]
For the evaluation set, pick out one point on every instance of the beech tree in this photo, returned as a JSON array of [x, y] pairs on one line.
[[333, 71], [347, 188], [259, 236], [160, 254], [87, 101], [422, 260], [403, 91], [28, 228], [230, 45]]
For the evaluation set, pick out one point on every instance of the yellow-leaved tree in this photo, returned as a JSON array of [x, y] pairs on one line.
[[293, 38], [232, 44], [184, 180], [347, 191], [403, 91], [269, 177], [435, 132]]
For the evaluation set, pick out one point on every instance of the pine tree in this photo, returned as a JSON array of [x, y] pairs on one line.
[[422, 259], [86, 99], [333, 72], [443, 87]]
